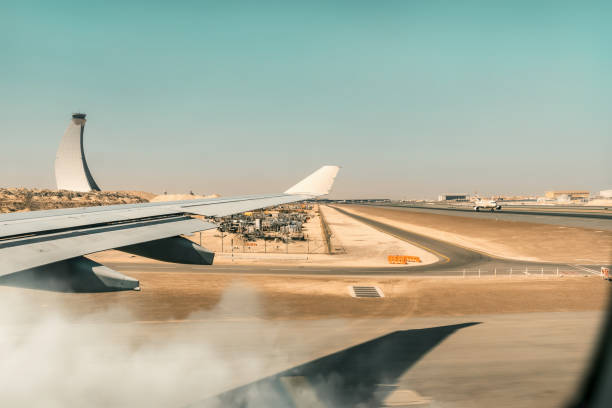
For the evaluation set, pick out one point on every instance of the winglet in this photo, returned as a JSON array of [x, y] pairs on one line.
[[317, 184]]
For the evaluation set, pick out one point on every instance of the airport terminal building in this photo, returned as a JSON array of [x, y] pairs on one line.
[[453, 197]]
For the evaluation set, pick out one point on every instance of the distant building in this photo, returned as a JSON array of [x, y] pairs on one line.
[[563, 195], [453, 197]]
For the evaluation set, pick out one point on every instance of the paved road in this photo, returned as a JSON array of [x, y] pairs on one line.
[[506, 268], [453, 260], [596, 219]]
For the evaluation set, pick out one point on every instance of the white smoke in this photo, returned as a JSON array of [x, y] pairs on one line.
[[108, 359]]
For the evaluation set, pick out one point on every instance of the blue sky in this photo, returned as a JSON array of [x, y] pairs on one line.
[[412, 98]]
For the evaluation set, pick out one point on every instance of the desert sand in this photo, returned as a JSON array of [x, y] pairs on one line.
[[178, 295], [179, 197]]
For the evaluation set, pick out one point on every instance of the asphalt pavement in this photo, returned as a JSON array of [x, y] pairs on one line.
[[598, 219], [453, 260]]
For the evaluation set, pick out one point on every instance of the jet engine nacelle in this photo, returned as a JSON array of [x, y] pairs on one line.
[[174, 249]]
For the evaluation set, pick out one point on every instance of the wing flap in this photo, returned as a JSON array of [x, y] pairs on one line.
[[30, 252], [51, 220], [52, 223], [32, 239]]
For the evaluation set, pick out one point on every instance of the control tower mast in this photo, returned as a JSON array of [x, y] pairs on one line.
[[71, 171]]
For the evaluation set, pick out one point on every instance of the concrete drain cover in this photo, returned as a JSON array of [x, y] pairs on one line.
[[366, 292]]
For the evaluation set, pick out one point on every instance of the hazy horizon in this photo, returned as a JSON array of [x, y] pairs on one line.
[[412, 99]]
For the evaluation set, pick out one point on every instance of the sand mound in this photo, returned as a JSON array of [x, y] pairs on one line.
[[26, 199], [142, 194], [179, 197]]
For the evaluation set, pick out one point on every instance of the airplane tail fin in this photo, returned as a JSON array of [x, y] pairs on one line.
[[317, 184]]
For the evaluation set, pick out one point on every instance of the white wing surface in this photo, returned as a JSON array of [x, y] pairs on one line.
[[35, 239]]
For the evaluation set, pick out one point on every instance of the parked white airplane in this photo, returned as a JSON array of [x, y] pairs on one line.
[[490, 205], [53, 242]]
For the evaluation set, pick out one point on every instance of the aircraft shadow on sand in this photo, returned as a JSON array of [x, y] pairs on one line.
[[363, 375]]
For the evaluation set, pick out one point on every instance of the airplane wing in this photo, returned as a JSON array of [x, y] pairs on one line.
[[56, 240]]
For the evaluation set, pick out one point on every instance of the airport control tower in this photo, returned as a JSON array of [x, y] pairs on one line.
[[71, 171]]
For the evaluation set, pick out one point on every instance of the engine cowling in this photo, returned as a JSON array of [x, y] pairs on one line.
[[174, 249]]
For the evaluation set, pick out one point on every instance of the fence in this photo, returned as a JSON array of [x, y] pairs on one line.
[[518, 271], [237, 245], [326, 231]]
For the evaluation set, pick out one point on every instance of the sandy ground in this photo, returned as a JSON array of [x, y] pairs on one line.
[[362, 246], [524, 341], [366, 245], [187, 336], [507, 239], [175, 296], [601, 202]]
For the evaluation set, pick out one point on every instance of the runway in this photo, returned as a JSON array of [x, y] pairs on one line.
[[598, 218]]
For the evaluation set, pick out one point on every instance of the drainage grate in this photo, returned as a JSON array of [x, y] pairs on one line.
[[366, 292]]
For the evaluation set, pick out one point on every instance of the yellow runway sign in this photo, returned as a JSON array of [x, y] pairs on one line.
[[402, 259]]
